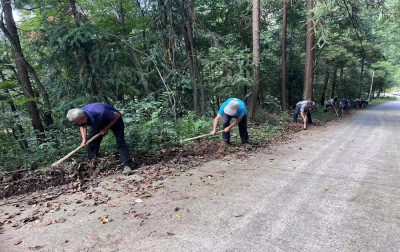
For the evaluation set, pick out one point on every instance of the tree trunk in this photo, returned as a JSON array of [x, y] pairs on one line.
[[48, 120], [284, 39], [10, 30], [326, 80], [334, 74], [256, 59], [132, 52], [194, 67], [361, 76], [340, 83], [309, 73], [168, 37], [86, 59]]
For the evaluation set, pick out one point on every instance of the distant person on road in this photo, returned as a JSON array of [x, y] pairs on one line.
[[303, 108], [232, 108], [330, 104], [101, 117]]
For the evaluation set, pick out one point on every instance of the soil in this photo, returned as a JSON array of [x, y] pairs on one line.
[[84, 174]]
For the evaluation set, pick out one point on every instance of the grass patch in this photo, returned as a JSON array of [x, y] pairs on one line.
[[320, 115], [383, 100]]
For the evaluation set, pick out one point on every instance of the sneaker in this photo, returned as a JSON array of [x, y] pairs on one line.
[[127, 170]]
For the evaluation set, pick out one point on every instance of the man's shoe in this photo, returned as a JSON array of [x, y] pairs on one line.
[[127, 170]]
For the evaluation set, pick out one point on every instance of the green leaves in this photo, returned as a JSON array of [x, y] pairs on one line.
[[24, 100], [7, 84]]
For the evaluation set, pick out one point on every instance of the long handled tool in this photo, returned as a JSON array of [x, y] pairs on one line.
[[73, 152], [193, 138], [335, 111]]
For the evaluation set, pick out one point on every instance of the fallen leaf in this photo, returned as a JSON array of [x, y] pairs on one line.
[[170, 234], [178, 215], [177, 209], [47, 223], [14, 224], [7, 217], [17, 242], [324, 189]]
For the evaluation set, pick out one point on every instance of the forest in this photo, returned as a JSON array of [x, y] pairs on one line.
[[168, 65]]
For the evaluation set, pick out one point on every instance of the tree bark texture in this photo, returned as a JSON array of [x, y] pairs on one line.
[[284, 39], [256, 59], [132, 52], [10, 30], [186, 10], [326, 80], [361, 76], [309, 72], [339, 85], [78, 17], [334, 76]]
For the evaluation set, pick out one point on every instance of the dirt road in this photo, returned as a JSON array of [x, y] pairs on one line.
[[333, 188]]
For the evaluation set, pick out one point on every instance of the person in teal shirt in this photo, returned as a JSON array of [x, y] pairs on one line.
[[232, 108]]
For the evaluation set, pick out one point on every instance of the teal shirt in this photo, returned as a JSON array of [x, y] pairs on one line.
[[240, 112]]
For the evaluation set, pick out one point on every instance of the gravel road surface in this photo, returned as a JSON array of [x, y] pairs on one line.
[[331, 188]]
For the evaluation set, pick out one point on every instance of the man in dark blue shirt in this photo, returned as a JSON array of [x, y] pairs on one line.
[[101, 117]]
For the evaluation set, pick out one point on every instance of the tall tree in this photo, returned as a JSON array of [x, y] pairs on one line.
[[186, 11], [131, 50], [326, 80], [256, 59], [9, 29], [309, 72], [334, 77], [284, 39]]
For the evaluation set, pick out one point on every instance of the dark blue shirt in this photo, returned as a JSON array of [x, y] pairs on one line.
[[99, 114]]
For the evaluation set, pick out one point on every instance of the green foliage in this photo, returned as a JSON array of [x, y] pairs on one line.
[[85, 58], [383, 100]]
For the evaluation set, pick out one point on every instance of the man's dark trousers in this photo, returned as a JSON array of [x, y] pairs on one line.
[[118, 130], [226, 136], [297, 112]]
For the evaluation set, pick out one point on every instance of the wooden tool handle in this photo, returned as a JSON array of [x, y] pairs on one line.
[[73, 152], [193, 138]]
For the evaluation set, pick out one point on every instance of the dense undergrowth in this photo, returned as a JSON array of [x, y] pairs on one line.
[[149, 129]]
